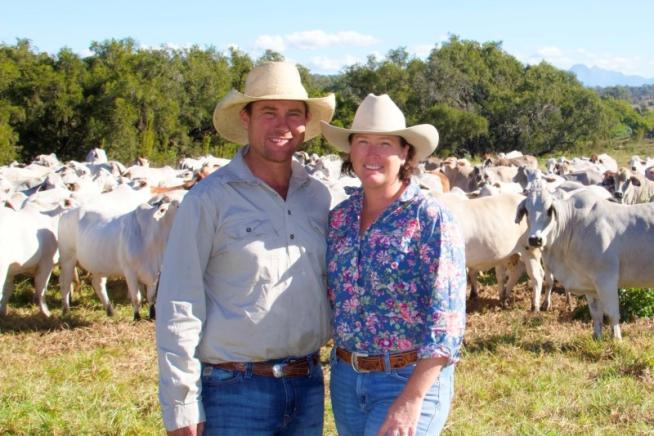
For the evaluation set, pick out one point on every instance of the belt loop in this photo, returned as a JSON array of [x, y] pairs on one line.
[[310, 362], [387, 363], [248, 370]]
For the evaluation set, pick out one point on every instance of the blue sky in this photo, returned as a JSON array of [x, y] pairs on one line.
[[325, 36]]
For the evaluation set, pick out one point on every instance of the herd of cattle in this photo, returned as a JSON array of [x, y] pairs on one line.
[[584, 222]]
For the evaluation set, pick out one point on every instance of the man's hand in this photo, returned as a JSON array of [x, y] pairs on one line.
[[191, 430]]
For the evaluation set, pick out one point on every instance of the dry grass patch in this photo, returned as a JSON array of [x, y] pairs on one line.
[[521, 373]]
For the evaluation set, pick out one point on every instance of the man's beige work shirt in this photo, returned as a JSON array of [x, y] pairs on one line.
[[243, 279]]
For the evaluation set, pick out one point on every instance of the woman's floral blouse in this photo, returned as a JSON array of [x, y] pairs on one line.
[[402, 284]]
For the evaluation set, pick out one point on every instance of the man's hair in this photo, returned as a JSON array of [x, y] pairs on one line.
[[406, 170]]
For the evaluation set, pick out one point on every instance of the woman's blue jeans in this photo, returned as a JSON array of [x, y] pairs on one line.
[[238, 403], [360, 401]]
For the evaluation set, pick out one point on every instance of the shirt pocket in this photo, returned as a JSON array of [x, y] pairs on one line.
[[247, 253], [249, 230]]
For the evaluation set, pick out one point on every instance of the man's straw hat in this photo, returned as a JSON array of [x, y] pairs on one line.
[[270, 81]]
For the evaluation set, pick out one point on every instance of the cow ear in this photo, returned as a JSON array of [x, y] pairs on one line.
[[521, 212], [553, 212], [634, 181], [9, 204]]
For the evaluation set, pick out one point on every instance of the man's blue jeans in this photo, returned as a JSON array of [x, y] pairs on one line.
[[237, 403], [360, 401]]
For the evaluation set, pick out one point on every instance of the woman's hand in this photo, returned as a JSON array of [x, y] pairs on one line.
[[402, 417]]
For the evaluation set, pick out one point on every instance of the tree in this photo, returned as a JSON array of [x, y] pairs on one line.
[[270, 56], [629, 123], [240, 65], [457, 129]]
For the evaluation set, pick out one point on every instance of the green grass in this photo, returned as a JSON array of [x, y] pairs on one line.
[[521, 373]]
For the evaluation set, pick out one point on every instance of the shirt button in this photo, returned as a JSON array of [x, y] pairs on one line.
[[292, 236], [249, 229], [289, 211]]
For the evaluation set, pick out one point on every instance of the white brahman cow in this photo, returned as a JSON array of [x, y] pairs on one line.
[[629, 187], [493, 238], [130, 246], [592, 246], [28, 246]]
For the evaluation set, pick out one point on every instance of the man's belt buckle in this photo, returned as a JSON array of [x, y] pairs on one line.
[[355, 362], [278, 370]]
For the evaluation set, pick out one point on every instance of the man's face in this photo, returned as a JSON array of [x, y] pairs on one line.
[[275, 128]]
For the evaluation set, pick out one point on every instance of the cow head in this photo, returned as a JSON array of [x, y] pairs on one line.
[[622, 181], [540, 209]]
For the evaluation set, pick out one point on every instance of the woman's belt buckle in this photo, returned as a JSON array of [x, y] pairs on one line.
[[354, 361]]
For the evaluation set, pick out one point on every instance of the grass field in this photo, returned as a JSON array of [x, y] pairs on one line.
[[521, 373]]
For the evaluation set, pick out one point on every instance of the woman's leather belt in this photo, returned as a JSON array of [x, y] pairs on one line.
[[362, 363], [294, 368]]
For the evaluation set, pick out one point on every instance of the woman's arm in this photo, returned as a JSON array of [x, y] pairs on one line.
[[402, 416]]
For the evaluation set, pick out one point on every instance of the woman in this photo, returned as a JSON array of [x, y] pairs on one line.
[[396, 280]]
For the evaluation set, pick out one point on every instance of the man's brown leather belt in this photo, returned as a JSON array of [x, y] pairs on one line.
[[293, 368], [363, 363]]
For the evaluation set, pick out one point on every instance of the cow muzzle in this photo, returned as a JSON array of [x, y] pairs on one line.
[[535, 241]]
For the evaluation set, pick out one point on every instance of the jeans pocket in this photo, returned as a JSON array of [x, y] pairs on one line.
[[403, 373], [212, 376]]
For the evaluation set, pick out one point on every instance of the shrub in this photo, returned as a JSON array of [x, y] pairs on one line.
[[634, 303]]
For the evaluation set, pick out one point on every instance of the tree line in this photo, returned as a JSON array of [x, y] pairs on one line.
[[158, 103]]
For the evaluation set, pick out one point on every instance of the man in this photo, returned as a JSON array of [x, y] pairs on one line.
[[242, 309]]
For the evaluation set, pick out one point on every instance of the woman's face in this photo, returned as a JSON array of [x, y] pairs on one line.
[[377, 159]]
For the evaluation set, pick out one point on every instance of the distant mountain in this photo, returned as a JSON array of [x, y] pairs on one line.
[[598, 77]]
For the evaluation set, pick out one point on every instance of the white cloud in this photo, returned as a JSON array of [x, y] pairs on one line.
[[550, 51], [174, 46], [85, 53], [422, 50], [272, 42], [333, 65], [312, 40], [564, 59]]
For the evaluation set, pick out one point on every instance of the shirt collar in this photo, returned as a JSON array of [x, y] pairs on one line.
[[409, 193], [238, 171]]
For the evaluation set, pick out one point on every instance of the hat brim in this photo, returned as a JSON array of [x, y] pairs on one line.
[[227, 115], [423, 137]]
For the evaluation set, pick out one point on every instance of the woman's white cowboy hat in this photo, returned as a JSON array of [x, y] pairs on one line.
[[379, 115], [270, 81]]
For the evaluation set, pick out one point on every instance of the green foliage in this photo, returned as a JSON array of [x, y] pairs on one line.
[[636, 303], [458, 127], [628, 120], [159, 103], [8, 139], [270, 56]]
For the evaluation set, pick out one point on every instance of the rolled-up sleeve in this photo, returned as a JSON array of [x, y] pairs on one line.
[[181, 311], [445, 274]]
